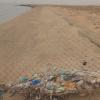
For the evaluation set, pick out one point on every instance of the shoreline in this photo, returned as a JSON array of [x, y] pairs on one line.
[[58, 5], [11, 11]]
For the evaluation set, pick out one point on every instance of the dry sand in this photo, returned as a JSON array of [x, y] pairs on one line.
[[50, 36]]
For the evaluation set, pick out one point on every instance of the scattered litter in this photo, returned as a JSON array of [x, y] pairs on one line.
[[23, 79], [51, 84]]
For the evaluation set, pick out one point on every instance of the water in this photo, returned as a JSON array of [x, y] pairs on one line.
[[9, 11]]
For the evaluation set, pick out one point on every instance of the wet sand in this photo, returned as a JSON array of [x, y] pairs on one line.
[[50, 36]]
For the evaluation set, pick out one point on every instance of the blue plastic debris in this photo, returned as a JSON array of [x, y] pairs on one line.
[[36, 82]]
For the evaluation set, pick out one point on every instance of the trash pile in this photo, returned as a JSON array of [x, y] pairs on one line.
[[55, 84]]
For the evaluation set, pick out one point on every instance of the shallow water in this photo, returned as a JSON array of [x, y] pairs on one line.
[[9, 11]]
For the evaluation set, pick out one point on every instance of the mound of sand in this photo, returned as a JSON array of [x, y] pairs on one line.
[[43, 37]]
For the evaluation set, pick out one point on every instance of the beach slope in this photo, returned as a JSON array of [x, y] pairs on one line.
[[48, 36]]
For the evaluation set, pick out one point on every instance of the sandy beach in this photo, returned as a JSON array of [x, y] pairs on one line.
[[49, 36]]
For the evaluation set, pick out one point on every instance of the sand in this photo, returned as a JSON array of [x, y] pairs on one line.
[[49, 36]]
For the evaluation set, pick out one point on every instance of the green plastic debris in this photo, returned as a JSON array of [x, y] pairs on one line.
[[23, 79], [60, 89]]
